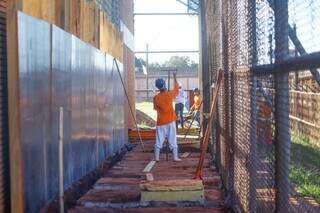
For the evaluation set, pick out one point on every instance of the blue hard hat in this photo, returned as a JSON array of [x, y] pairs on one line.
[[160, 83]]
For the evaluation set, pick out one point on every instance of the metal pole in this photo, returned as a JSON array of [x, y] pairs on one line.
[[165, 14], [168, 79], [61, 181], [204, 63], [282, 127], [225, 143], [296, 86], [97, 136], [147, 70], [295, 40], [253, 108]]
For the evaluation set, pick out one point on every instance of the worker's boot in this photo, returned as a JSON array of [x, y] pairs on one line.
[[175, 154], [156, 154]]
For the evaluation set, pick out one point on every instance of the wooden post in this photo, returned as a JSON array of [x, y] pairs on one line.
[[16, 174]]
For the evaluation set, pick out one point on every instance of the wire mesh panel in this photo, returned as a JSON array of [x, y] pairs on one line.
[[269, 160], [112, 9], [265, 166], [241, 140]]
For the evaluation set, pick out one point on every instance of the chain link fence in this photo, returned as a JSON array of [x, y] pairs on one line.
[[112, 10], [266, 133]]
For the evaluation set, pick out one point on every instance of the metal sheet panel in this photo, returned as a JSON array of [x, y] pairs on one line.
[[34, 74], [60, 97], [59, 70]]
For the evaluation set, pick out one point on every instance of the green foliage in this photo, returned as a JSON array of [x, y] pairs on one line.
[[305, 167], [139, 62], [179, 62]]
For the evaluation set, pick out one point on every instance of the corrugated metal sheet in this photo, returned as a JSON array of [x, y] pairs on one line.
[[56, 69], [4, 146]]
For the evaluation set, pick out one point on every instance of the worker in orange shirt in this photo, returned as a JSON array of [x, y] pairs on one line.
[[195, 108], [166, 117], [264, 124]]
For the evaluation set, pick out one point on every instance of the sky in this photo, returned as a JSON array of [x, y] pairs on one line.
[[165, 32]]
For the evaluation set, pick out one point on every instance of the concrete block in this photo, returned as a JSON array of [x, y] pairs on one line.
[[172, 190], [172, 196], [173, 185]]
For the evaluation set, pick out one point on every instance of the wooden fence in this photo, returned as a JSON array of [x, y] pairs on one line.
[[305, 114]]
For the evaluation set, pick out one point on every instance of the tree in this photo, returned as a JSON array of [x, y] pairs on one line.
[[155, 66], [139, 63], [178, 62]]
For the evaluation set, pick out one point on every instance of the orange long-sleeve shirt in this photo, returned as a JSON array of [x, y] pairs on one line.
[[162, 103]]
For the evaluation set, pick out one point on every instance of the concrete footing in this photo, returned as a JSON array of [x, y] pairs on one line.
[[172, 190]]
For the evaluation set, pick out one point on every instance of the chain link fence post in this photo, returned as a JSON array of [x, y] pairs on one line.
[[204, 64], [253, 106], [282, 127]]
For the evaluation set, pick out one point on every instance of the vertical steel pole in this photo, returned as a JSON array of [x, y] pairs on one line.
[[61, 181], [147, 69], [226, 103], [282, 127], [97, 136], [204, 63], [253, 106], [168, 80]]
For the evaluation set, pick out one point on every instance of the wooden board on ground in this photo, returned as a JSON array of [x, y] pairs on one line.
[[149, 166], [190, 137], [185, 155]]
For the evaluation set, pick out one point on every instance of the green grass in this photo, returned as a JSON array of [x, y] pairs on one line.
[[305, 167]]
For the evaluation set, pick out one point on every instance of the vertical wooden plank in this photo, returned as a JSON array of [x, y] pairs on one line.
[[17, 191], [66, 23], [58, 14], [110, 40], [31, 7], [96, 27], [48, 10], [87, 21], [74, 17]]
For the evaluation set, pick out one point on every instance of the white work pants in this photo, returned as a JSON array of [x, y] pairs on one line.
[[169, 131]]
